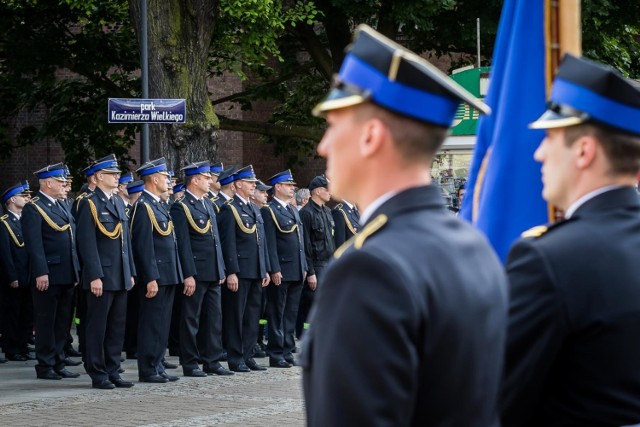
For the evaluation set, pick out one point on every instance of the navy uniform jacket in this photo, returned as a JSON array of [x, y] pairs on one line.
[[318, 234], [14, 257], [51, 250], [198, 238], [428, 293], [573, 348], [103, 257], [153, 240], [285, 241], [242, 236], [346, 221], [215, 199]]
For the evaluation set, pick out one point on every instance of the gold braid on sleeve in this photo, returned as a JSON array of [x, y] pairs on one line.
[[346, 220], [117, 231], [273, 215], [201, 230], [11, 233]]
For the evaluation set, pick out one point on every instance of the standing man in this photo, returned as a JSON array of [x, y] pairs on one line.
[[318, 229], [107, 274], [203, 267], [285, 243], [214, 189], [436, 319], [573, 354], [49, 236], [18, 314], [155, 252], [243, 247], [347, 221]]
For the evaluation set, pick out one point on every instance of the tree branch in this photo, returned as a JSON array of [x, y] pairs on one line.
[[270, 129]]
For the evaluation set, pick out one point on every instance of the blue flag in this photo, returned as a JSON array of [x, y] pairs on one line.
[[504, 193]]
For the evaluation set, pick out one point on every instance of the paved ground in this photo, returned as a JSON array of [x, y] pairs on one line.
[[268, 398]]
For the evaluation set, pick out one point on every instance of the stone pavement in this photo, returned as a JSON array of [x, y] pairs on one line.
[[262, 399]]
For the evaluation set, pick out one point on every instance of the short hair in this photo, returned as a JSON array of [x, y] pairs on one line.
[[187, 180], [302, 193], [621, 148]]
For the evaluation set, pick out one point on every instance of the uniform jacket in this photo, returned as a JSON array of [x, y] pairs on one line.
[[347, 223], [15, 260], [429, 293], [573, 349], [155, 255], [103, 257], [285, 240], [199, 249], [318, 227], [51, 251], [243, 240]]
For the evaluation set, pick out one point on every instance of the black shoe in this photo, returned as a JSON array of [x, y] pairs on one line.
[[16, 358], [132, 355], [259, 354], [168, 365], [195, 373], [65, 373], [49, 375], [153, 379], [103, 385], [70, 362], [218, 370], [239, 368], [169, 377], [251, 364], [29, 356], [279, 363], [71, 352], [120, 383], [121, 370], [290, 359]]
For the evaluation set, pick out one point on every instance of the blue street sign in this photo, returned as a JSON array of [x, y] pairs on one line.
[[134, 110]]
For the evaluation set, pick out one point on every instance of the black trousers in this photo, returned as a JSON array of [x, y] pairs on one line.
[[282, 312], [242, 313], [306, 300], [201, 326], [131, 327], [18, 319], [52, 310], [174, 329], [104, 333], [153, 328]]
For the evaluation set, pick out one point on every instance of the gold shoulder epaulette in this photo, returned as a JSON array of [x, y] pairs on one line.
[[179, 199], [339, 206], [228, 202], [34, 199], [536, 231], [3, 217], [81, 195], [358, 240]]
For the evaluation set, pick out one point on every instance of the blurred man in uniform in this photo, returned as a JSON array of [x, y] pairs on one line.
[[421, 286], [347, 222], [318, 228], [573, 354], [155, 252], [203, 267], [285, 242], [49, 236], [107, 274]]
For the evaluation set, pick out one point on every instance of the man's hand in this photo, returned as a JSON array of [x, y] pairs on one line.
[[265, 281], [312, 282], [14, 284], [133, 282], [232, 282], [152, 289], [189, 286], [42, 282], [96, 287], [276, 278]]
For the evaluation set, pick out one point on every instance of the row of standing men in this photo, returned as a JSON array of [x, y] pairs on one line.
[[127, 243]]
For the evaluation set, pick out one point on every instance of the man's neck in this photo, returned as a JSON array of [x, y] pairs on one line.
[[15, 210], [242, 198], [195, 193], [107, 192], [228, 192], [318, 201], [51, 196]]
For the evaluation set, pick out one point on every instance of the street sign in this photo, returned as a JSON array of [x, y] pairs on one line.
[[134, 110]]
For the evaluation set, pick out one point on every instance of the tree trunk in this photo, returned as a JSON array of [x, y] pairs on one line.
[[179, 36]]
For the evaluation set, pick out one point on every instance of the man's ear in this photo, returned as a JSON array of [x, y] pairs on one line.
[[374, 134], [586, 150]]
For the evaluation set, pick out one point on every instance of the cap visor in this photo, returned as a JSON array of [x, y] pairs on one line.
[[337, 98], [551, 120]]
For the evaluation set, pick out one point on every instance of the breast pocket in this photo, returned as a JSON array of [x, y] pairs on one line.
[[106, 219]]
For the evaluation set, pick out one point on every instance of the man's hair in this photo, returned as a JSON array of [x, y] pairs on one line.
[[188, 179], [621, 149], [413, 139], [302, 193]]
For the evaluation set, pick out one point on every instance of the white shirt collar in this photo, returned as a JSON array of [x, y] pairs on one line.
[[153, 196], [349, 205], [48, 197], [584, 199], [194, 196], [240, 197], [284, 204], [17, 215], [375, 205]]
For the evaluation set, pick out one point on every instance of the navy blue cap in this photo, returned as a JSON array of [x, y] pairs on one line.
[[587, 91], [318, 181], [107, 164], [217, 168], [197, 168], [284, 177], [88, 171], [135, 186], [67, 173], [125, 178], [378, 70], [178, 187], [56, 171], [12, 191], [261, 186], [25, 185], [245, 174], [226, 176], [153, 166]]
